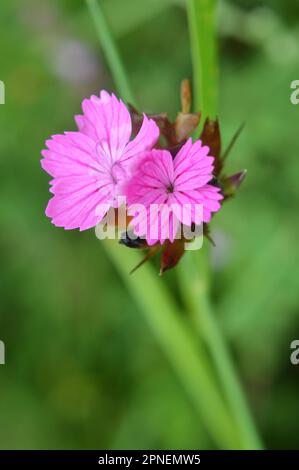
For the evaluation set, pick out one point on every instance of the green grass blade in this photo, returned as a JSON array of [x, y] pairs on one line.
[[110, 50], [188, 359], [196, 293], [137, 12], [194, 268], [201, 19]]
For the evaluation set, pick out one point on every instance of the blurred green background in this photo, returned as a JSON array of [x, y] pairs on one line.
[[82, 368]]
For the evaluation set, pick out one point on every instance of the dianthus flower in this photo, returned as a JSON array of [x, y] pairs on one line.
[[172, 190], [91, 166]]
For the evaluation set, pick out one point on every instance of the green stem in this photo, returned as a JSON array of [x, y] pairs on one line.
[[188, 359], [201, 19], [110, 50], [194, 268], [195, 291]]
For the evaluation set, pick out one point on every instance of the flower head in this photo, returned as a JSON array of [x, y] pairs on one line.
[[171, 190], [91, 166]]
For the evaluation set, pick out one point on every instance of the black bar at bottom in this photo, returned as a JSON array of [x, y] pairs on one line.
[[132, 458]]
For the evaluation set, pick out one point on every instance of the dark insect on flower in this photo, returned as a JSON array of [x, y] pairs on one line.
[[130, 240]]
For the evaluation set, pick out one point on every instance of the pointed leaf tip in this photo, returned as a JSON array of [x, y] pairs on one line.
[[211, 137], [171, 255], [231, 183]]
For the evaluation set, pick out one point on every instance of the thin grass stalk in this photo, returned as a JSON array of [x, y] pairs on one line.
[[109, 48], [175, 338], [194, 268]]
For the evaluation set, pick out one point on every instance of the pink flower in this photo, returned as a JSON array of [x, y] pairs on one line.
[[91, 166], [175, 190]]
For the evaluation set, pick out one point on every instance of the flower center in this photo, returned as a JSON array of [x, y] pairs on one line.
[[170, 188]]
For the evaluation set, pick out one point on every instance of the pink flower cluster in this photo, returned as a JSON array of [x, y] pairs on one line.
[[94, 166]]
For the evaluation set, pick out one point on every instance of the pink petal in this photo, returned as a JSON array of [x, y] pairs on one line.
[[86, 127], [107, 119], [145, 139], [69, 154], [191, 154], [76, 211]]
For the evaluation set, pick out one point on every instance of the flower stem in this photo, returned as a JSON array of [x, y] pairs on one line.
[[201, 19], [188, 359], [195, 291], [110, 51], [194, 268]]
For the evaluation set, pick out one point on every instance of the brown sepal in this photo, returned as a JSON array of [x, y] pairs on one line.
[[185, 125], [230, 184], [211, 137], [171, 254]]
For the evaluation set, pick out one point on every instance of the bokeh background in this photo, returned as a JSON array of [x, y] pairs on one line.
[[82, 368]]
